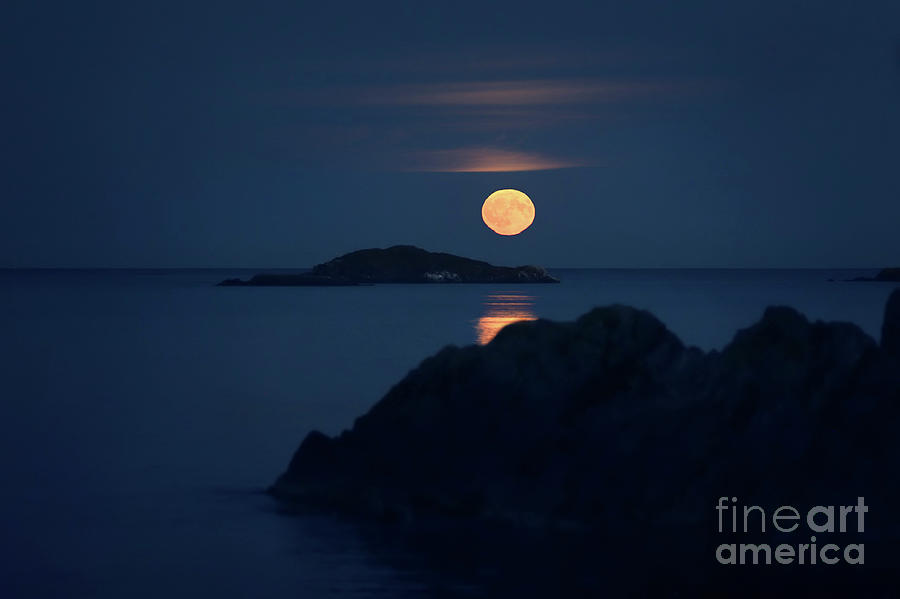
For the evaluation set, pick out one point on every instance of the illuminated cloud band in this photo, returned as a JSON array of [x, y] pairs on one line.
[[472, 120], [485, 160], [513, 93]]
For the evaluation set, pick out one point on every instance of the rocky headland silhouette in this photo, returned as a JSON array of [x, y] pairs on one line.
[[400, 264], [885, 275], [612, 429]]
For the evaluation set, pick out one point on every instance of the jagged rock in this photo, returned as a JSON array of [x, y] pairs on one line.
[[609, 425], [542, 418], [402, 264]]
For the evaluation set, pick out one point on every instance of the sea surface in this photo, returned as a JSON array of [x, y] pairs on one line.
[[143, 413]]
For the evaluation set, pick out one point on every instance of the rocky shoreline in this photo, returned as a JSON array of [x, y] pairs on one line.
[[610, 425]]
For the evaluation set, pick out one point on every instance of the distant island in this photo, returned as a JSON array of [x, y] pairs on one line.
[[400, 264], [885, 275]]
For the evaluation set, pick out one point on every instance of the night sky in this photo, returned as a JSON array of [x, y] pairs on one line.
[[648, 134]]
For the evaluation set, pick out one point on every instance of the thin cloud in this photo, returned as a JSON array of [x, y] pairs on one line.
[[513, 93], [477, 120], [485, 160], [481, 94]]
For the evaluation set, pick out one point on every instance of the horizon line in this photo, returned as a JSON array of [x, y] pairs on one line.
[[125, 268]]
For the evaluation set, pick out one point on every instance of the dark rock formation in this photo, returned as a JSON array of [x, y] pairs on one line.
[[403, 264], [890, 330], [888, 274], [885, 275], [610, 425]]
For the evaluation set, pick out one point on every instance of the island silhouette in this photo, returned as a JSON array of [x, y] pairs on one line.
[[885, 275], [400, 264]]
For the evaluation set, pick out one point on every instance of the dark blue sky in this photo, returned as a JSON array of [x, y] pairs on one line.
[[648, 134]]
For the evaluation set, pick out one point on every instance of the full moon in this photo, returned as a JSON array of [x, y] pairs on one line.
[[508, 212]]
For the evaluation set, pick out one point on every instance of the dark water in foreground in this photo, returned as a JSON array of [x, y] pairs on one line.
[[143, 412]]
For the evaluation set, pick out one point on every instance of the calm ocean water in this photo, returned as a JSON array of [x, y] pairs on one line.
[[143, 412]]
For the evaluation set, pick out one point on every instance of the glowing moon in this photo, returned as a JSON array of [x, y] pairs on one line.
[[508, 212]]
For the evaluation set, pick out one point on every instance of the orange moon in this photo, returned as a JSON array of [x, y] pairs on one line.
[[508, 212]]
